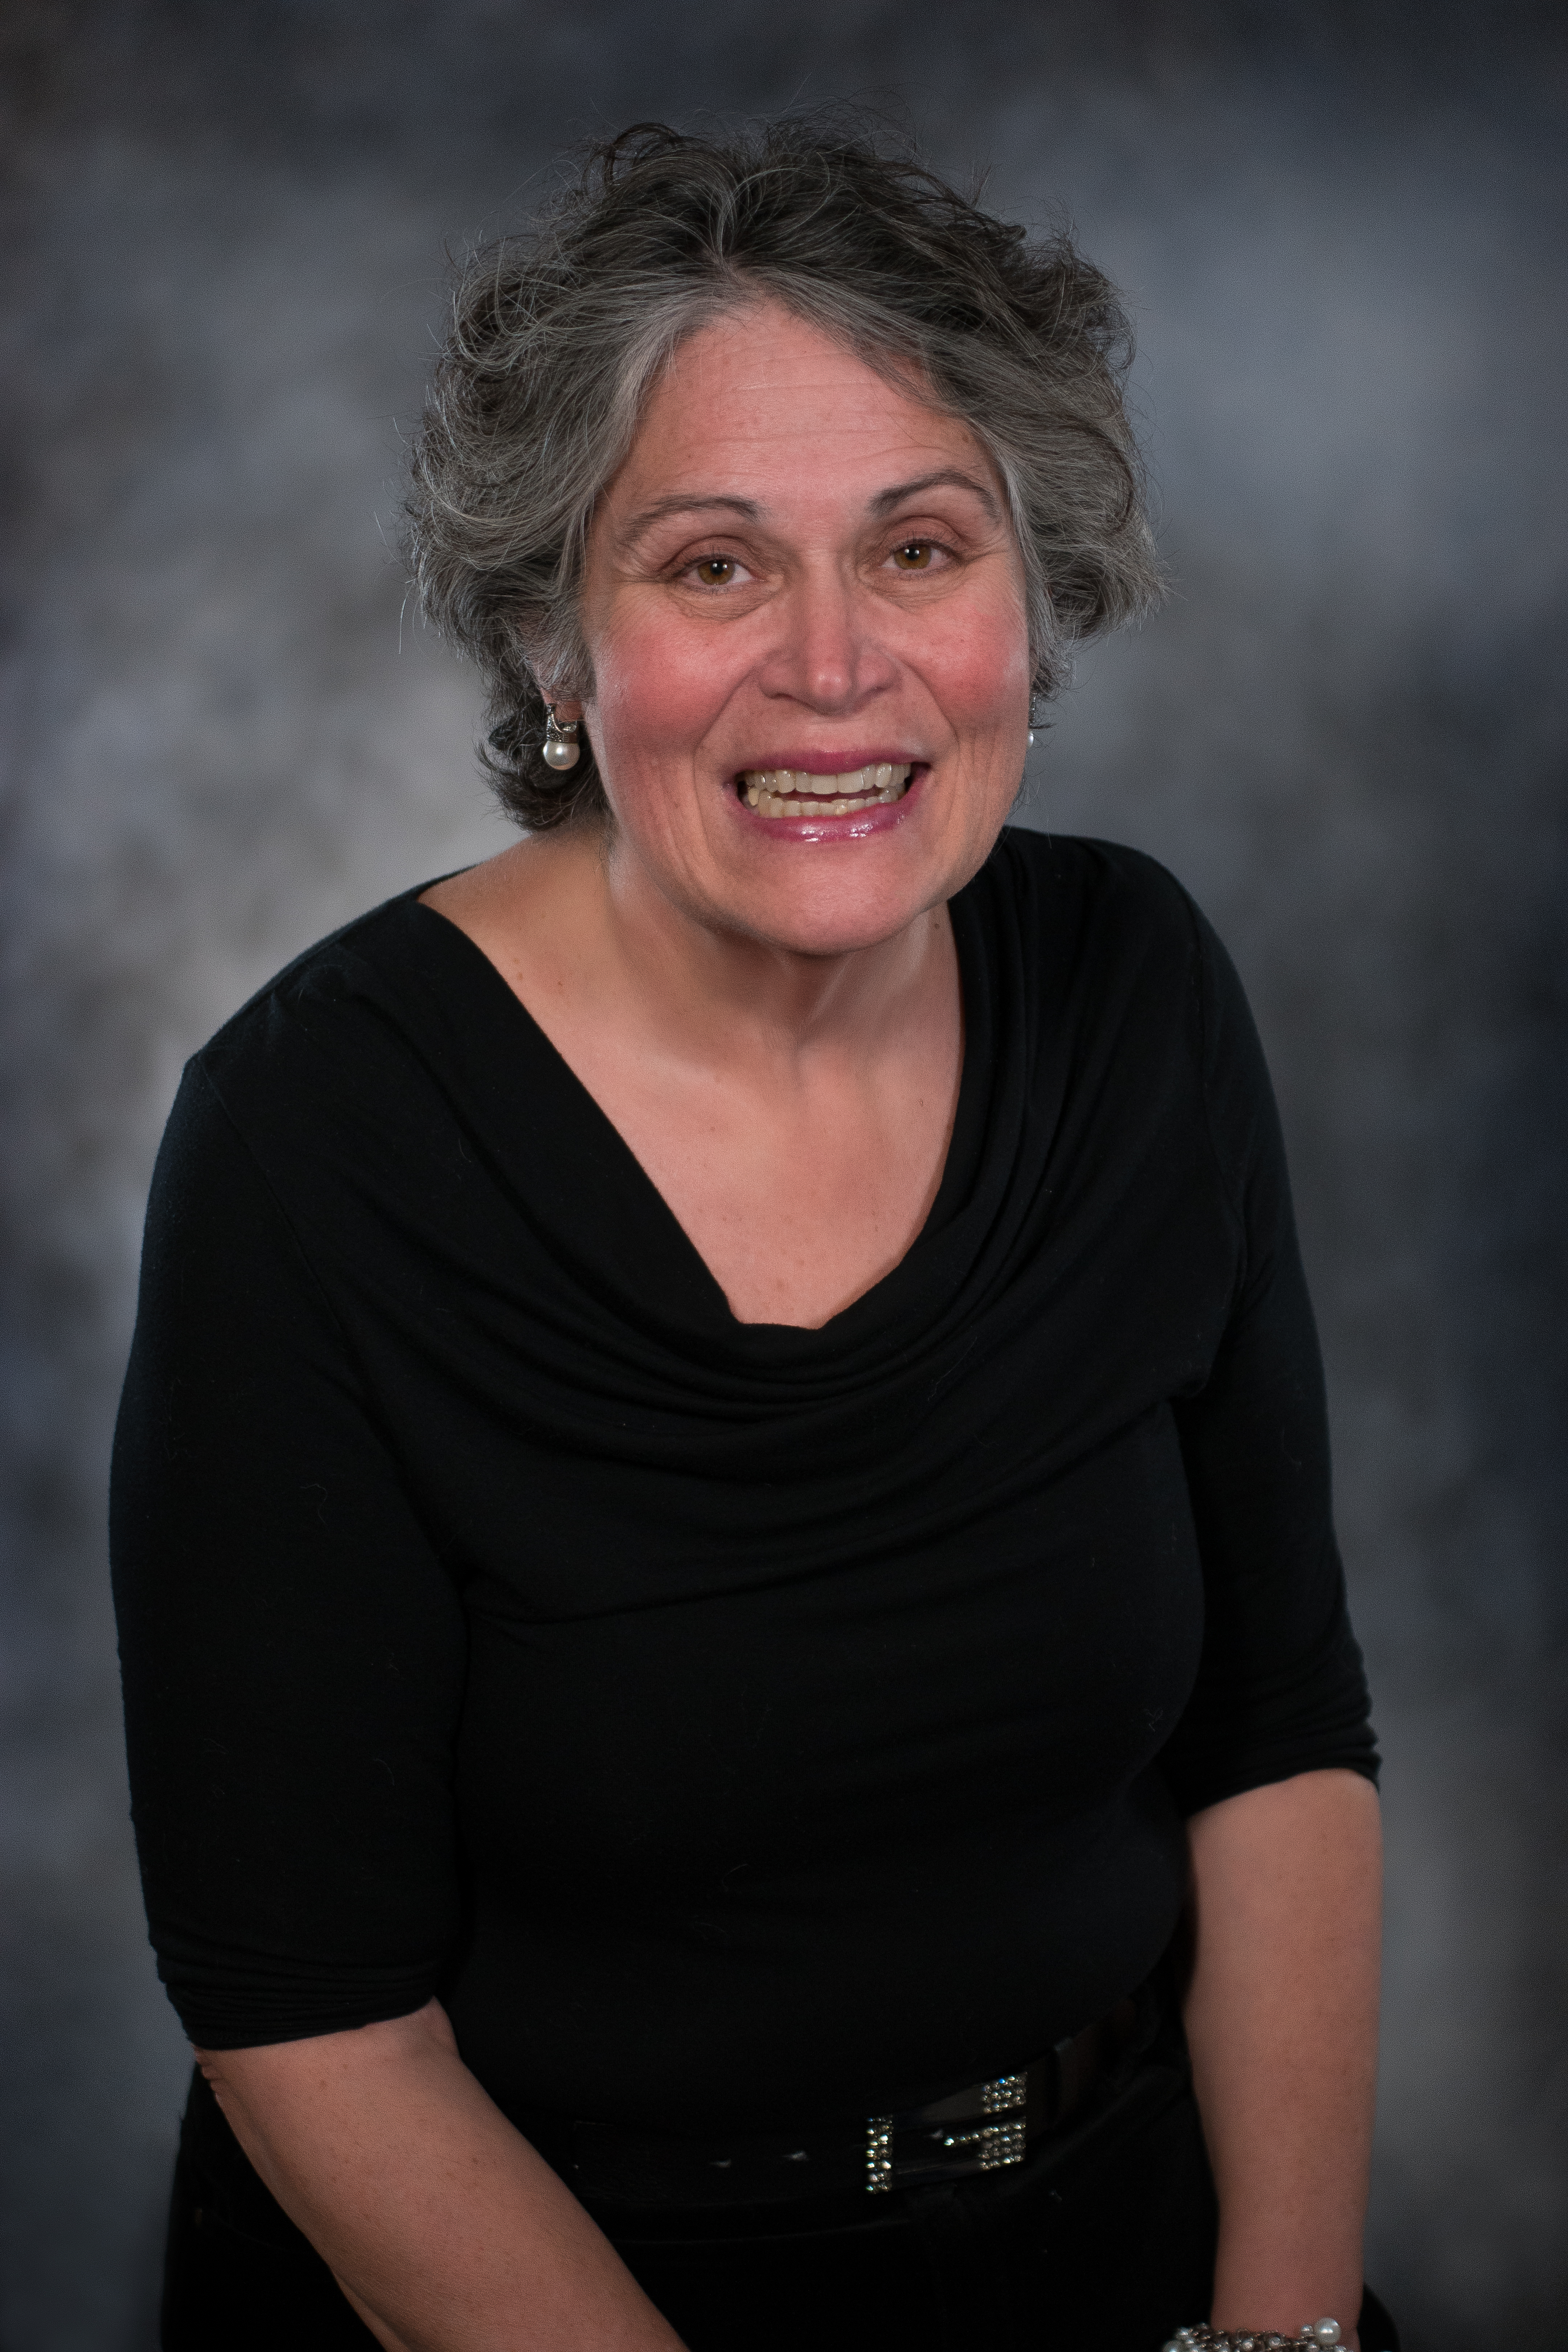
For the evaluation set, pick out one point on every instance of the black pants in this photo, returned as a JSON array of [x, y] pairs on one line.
[[1101, 2242]]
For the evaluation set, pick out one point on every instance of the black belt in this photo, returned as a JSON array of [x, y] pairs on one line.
[[978, 2129]]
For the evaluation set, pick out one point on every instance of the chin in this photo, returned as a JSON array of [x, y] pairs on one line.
[[840, 920]]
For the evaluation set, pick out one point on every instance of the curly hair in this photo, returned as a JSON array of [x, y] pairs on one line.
[[558, 335]]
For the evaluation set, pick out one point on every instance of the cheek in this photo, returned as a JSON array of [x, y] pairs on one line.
[[655, 696], [979, 668]]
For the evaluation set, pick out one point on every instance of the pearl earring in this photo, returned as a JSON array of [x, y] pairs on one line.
[[562, 749]]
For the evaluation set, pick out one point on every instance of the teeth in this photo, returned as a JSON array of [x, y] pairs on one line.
[[792, 792]]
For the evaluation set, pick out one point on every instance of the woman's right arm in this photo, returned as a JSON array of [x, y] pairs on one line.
[[445, 2229], [294, 1652]]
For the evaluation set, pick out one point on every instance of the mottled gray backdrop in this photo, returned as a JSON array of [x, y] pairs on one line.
[[1342, 229]]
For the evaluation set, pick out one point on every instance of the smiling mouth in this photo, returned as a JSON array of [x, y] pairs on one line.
[[791, 792]]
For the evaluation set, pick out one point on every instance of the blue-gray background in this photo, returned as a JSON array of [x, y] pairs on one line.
[[1342, 230]]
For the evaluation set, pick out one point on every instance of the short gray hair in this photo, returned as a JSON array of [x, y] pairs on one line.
[[558, 336]]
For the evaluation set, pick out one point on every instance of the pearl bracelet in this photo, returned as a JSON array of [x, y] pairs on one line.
[[1324, 2332]]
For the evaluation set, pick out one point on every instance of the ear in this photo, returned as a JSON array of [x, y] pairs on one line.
[[566, 713]]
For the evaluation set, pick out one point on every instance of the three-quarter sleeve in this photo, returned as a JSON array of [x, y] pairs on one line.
[[1281, 1688], [293, 1649]]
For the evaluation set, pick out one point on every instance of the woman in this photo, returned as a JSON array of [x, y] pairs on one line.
[[721, 1507]]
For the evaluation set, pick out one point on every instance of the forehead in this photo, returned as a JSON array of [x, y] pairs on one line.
[[763, 405]]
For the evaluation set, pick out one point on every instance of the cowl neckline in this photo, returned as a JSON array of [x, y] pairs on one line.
[[614, 1238]]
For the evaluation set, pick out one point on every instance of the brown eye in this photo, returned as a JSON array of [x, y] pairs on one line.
[[715, 571], [914, 555]]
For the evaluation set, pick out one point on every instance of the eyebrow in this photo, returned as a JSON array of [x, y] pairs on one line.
[[946, 478], [634, 528]]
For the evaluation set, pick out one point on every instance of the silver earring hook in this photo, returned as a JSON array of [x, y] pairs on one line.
[[562, 749]]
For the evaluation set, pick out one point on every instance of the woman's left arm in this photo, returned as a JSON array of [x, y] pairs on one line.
[[1281, 2016]]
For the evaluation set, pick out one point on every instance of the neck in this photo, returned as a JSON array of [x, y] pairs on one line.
[[718, 994]]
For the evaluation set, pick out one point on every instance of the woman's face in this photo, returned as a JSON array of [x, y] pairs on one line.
[[803, 588]]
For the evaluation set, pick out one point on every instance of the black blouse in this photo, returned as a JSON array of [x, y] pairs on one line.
[[732, 1723]]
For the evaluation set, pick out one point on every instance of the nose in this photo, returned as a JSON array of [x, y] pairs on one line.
[[827, 655]]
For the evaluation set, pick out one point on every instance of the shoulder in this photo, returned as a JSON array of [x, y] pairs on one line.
[[1105, 941], [351, 1012], [1064, 910], [346, 1058], [343, 968], [1102, 882]]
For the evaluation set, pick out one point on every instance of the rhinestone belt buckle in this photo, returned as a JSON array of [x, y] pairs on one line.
[[974, 2131]]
